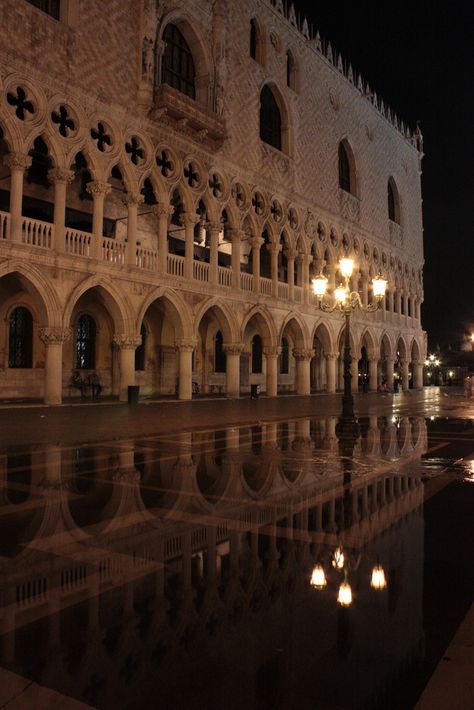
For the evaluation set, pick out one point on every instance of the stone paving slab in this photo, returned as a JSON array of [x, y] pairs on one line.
[[18, 693]]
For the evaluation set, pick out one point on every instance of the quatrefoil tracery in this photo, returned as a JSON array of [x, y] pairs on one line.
[[135, 151], [22, 104], [66, 125], [101, 137]]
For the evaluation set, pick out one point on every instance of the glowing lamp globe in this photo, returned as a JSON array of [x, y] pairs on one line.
[[379, 285], [344, 597], [340, 294], [338, 558], [320, 284], [318, 578], [346, 266], [378, 580]]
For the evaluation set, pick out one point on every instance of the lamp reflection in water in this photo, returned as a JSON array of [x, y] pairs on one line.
[[342, 563]]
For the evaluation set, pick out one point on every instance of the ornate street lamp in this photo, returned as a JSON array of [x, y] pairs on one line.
[[347, 301]]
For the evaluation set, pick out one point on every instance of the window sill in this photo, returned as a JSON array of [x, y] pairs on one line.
[[188, 115]]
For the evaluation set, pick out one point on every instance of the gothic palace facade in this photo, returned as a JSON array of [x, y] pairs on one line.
[[172, 176]]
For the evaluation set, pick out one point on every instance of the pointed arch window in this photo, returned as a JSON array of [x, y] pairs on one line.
[[257, 360], [219, 354], [393, 202], [85, 343], [270, 119], [285, 357], [20, 342], [140, 351], [345, 178], [178, 68]]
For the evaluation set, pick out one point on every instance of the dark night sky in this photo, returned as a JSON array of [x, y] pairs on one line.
[[419, 58]]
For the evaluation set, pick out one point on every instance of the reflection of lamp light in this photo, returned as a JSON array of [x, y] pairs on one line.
[[338, 558], [318, 578], [378, 580], [344, 597], [450, 374]]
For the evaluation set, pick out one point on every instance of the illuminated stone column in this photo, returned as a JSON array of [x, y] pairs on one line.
[[373, 374], [233, 351], [331, 363], [126, 344], [271, 355], [163, 213], [98, 190], [256, 243], [61, 178], [417, 374], [189, 221], [236, 235], [131, 200], [18, 163], [53, 339], [274, 248], [290, 257], [303, 380], [185, 368], [405, 373], [214, 229], [389, 369]]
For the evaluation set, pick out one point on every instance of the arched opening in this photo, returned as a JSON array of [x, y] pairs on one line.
[[219, 354], [257, 355], [346, 168], [141, 350], [285, 357], [393, 201], [319, 371], [265, 256], [85, 343], [20, 339], [291, 337], [177, 69], [210, 362], [270, 119], [256, 337], [256, 42]]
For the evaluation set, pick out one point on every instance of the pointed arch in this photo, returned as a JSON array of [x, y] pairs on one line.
[[224, 317], [393, 201], [296, 326], [347, 168], [39, 286], [275, 123], [265, 324], [182, 319], [114, 300], [323, 333]]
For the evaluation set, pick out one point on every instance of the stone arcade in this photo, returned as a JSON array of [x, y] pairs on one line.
[[166, 199]]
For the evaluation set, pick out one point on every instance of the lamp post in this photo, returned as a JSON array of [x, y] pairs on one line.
[[347, 301]]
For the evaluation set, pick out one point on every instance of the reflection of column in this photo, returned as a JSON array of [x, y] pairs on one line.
[[98, 190], [18, 163], [126, 344], [53, 339], [417, 374], [290, 258], [404, 362], [131, 200], [331, 361], [355, 374], [52, 464], [189, 221], [232, 351], [214, 229], [271, 355], [61, 179], [303, 380], [274, 248], [236, 235], [185, 368], [162, 213], [256, 243], [373, 374]]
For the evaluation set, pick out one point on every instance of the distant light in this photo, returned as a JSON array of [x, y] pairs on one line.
[[378, 580], [340, 294], [450, 373], [344, 597], [318, 578]]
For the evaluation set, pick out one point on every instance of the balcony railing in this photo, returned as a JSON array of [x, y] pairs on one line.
[[36, 233], [175, 265], [77, 242]]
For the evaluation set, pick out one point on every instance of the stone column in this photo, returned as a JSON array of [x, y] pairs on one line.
[[185, 368], [391, 299], [417, 374], [126, 344], [162, 213], [98, 190], [232, 351], [53, 338], [214, 229], [274, 248], [61, 179], [405, 373], [373, 374], [331, 268], [398, 302], [236, 247], [331, 363], [256, 243], [271, 355], [305, 261], [189, 221], [355, 374], [365, 289], [389, 369], [291, 255], [405, 306], [131, 200], [18, 163], [303, 380]]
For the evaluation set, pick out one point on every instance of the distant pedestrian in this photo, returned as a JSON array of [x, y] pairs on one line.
[[78, 383], [96, 387], [467, 386]]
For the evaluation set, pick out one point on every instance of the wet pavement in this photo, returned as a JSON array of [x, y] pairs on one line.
[[159, 557]]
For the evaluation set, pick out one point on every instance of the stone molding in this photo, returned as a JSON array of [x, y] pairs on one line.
[[271, 351], [161, 210], [233, 348], [189, 219], [214, 226], [54, 335], [133, 198], [303, 354], [256, 242], [185, 345]]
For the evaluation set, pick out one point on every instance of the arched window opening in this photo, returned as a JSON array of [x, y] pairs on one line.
[[148, 193], [41, 163], [270, 118], [265, 256], [409, 307], [285, 357], [345, 182], [85, 343], [178, 65], [387, 300], [141, 350], [20, 343], [393, 203], [290, 71], [253, 39], [257, 355], [219, 354]]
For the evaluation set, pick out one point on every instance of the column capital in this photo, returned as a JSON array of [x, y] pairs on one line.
[[331, 356], [256, 242], [236, 234], [404, 361], [54, 335], [133, 198], [233, 348], [214, 226], [124, 341], [98, 187], [274, 247], [291, 253], [303, 258], [61, 175], [189, 219], [303, 353], [17, 161], [161, 210], [185, 345], [271, 351]]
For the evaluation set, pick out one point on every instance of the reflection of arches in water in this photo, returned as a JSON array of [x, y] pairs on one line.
[[283, 434], [18, 477], [291, 471], [83, 470]]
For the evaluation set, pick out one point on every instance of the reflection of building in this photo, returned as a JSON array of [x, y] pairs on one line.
[[165, 201], [137, 565]]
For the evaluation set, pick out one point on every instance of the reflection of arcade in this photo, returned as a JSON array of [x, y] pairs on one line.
[[119, 559]]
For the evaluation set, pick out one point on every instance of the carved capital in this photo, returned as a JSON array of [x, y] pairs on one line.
[[233, 348], [185, 346], [256, 242], [291, 254], [133, 198], [303, 354], [63, 175], [271, 351], [236, 234], [162, 210], [17, 161], [214, 227], [54, 335], [123, 341], [189, 219], [98, 188], [331, 356], [274, 247]]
